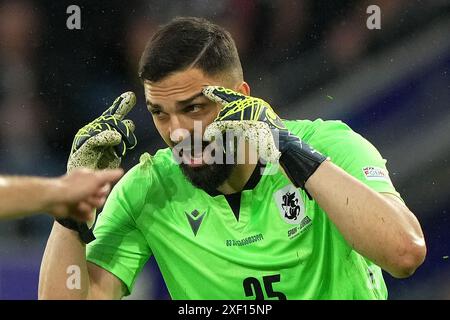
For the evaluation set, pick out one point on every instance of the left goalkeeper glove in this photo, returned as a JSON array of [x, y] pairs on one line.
[[256, 120], [101, 144]]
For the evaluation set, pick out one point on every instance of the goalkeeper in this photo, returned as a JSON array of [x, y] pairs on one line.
[[321, 226]]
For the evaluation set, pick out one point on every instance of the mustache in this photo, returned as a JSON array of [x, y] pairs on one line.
[[189, 143], [189, 146]]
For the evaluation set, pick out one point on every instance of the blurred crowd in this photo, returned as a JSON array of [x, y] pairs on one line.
[[54, 80]]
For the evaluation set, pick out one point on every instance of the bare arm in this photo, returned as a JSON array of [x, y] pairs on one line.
[[25, 195], [378, 226], [64, 249], [65, 254], [75, 194]]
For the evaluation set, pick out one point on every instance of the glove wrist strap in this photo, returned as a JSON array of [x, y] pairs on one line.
[[300, 161], [86, 234]]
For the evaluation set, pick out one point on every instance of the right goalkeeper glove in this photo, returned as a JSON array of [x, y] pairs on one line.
[[101, 144], [258, 122]]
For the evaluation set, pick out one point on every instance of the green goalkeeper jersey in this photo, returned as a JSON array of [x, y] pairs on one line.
[[283, 246]]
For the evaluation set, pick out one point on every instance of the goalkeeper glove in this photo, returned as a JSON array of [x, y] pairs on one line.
[[101, 144], [257, 121]]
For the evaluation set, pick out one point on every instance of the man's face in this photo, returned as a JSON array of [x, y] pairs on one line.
[[176, 104]]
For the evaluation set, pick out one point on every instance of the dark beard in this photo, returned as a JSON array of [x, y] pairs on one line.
[[208, 177]]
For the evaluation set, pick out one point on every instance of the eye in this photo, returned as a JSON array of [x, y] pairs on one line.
[[158, 114], [193, 108]]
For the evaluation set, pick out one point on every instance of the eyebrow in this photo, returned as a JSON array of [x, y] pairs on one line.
[[179, 103]]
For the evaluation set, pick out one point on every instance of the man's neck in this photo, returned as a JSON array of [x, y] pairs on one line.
[[238, 179]]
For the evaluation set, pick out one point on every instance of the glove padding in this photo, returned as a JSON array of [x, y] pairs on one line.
[[256, 120], [103, 142], [253, 118]]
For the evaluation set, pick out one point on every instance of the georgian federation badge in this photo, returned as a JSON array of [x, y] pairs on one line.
[[290, 204]]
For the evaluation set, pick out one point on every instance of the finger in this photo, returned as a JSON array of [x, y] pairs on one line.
[[273, 119], [129, 124], [79, 171], [113, 108], [85, 208], [125, 105], [130, 138], [109, 176], [96, 202], [100, 202], [222, 95], [106, 138], [80, 140], [217, 128], [103, 192], [112, 123], [125, 128]]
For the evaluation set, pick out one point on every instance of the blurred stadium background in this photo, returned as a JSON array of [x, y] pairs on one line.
[[309, 58]]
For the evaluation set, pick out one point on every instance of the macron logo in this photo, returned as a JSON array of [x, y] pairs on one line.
[[195, 218]]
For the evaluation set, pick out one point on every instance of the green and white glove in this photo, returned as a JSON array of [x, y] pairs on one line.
[[103, 142]]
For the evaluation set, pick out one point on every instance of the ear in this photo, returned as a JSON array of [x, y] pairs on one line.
[[243, 88]]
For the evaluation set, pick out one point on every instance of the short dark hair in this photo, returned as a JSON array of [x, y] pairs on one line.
[[189, 42]]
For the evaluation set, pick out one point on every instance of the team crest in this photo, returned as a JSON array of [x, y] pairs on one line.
[[290, 204]]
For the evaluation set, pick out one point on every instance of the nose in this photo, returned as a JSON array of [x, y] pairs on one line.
[[178, 129]]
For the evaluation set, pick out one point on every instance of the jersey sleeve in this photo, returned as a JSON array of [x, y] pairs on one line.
[[120, 246], [351, 152]]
